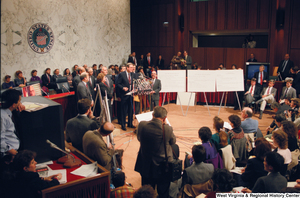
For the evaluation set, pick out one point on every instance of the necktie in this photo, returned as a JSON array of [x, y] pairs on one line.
[[261, 78], [268, 91], [251, 89], [86, 85], [285, 63], [285, 94], [90, 82], [129, 79], [48, 78]]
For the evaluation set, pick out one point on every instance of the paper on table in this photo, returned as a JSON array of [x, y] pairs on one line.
[[86, 170], [48, 162], [63, 172], [202, 195], [238, 189], [147, 117], [291, 184], [237, 170]]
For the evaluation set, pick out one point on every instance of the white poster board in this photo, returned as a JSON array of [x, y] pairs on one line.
[[147, 117], [172, 80], [185, 98], [201, 81], [229, 80]]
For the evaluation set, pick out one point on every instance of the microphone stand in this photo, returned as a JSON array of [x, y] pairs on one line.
[[45, 93], [66, 88], [68, 161]]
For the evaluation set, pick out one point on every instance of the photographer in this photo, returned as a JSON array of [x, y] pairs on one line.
[[292, 113]]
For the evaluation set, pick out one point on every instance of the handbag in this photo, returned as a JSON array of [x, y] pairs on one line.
[[173, 168]]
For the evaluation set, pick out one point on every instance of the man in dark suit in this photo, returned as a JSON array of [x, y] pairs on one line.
[[92, 82], [55, 75], [151, 156], [252, 92], [119, 108], [83, 90], [261, 76], [95, 71], [252, 58], [267, 95], [148, 63], [74, 73], [160, 63], [156, 86], [110, 85], [47, 80], [84, 121], [132, 59], [284, 67], [287, 91], [125, 84], [187, 60]]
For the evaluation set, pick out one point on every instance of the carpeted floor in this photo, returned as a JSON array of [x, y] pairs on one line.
[[185, 129]]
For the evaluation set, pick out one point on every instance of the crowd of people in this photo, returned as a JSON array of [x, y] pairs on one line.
[[206, 167]]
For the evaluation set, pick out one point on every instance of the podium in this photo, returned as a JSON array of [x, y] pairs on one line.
[[34, 128]]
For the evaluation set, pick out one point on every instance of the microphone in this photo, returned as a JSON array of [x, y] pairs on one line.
[[66, 88], [68, 161], [45, 93]]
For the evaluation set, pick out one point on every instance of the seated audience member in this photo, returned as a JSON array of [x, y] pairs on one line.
[[252, 92], [146, 191], [95, 147], [218, 126], [11, 100], [287, 91], [267, 96], [293, 111], [74, 73], [277, 124], [55, 75], [34, 77], [252, 58], [69, 76], [237, 138], [28, 181], [223, 182], [47, 80], [255, 166], [280, 143], [7, 83], [121, 189], [249, 125], [227, 156], [290, 129], [20, 81], [261, 76], [199, 171], [85, 120], [274, 181]]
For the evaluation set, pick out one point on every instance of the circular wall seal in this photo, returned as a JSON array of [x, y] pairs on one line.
[[40, 38]]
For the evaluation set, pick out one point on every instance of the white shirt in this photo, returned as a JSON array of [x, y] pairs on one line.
[[286, 154], [270, 90]]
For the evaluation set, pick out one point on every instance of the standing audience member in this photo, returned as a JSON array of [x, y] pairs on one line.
[[125, 85], [284, 67], [91, 83], [160, 63], [83, 90], [95, 71], [28, 182], [7, 83], [255, 166], [20, 81], [69, 76], [156, 86], [141, 61], [34, 77], [274, 181], [84, 121], [187, 60], [132, 59], [74, 73], [148, 62], [151, 157], [252, 58]]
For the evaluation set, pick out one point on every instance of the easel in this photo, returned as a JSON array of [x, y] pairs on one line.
[[226, 97]]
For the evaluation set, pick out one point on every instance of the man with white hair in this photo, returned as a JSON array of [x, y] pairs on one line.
[[91, 82], [249, 126]]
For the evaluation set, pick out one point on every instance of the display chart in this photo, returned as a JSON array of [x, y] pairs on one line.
[[172, 80], [201, 81], [229, 80]]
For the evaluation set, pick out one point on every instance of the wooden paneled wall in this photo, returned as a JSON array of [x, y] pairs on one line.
[[148, 33]]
